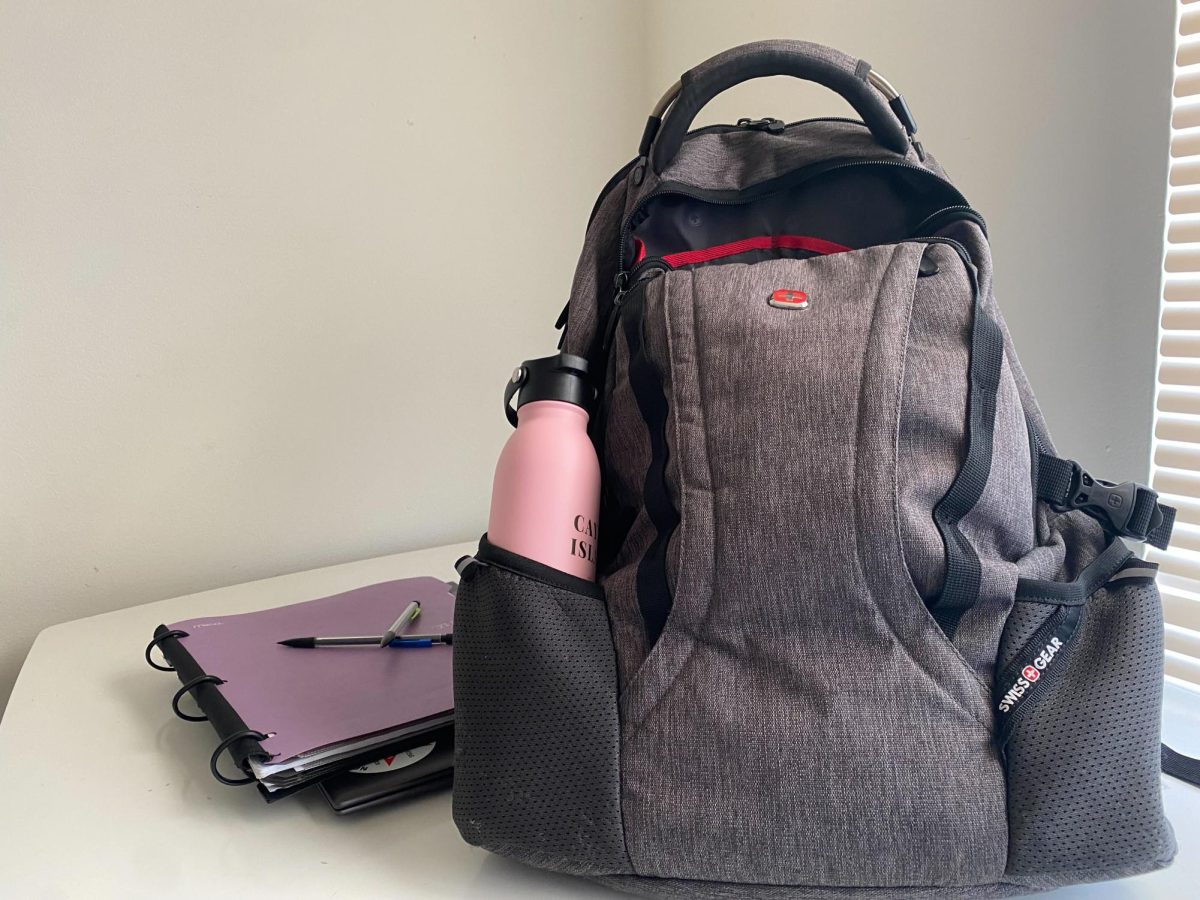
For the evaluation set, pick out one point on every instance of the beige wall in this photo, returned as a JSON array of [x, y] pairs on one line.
[[264, 266]]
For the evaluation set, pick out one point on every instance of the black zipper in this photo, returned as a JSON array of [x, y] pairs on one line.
[[942, 217], [775, 186]]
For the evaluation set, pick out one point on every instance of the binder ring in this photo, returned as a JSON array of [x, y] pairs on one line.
[[155, 642], [225, 744], [199, 679]]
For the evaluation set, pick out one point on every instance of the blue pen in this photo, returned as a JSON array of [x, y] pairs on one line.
[[406, 618], [425, 640]]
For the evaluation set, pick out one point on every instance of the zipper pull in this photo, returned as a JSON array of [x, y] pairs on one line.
[[625, 282], [769, 125], [610, 327]]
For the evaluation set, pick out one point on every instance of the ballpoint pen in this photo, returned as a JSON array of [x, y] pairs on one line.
[[403, 621], [371, 640]]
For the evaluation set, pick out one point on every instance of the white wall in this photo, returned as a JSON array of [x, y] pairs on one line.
[[264, 266]]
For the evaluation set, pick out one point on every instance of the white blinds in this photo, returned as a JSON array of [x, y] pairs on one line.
[[1176, 470]]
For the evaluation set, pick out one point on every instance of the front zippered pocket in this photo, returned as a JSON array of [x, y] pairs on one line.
[[650, 268], [648, 377]]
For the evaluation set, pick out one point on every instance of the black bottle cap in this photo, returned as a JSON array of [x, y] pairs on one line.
[[561, 377]]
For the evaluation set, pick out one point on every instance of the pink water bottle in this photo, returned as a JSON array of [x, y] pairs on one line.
[[546, 493]]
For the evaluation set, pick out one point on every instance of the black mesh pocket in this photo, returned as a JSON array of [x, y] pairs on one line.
[[536, 762], [1078, 699]]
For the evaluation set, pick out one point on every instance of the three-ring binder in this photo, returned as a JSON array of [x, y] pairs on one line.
[[236, 737], [228, 742], [287, 719], [159, 636], [187, 686]]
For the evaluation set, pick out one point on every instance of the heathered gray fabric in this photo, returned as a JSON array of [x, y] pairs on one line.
[[758, 673], [933, 413], [1066, 543], [971, 237], [1000, 528]]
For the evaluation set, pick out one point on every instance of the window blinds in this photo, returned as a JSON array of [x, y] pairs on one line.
[[1176, 467]]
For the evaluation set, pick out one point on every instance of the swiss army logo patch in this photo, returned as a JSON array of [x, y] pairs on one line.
[[786, 299]]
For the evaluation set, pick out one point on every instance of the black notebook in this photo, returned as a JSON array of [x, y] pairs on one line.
[[427, 765]]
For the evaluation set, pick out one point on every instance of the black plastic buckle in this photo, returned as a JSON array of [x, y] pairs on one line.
[[769, 125], [1113, 504]]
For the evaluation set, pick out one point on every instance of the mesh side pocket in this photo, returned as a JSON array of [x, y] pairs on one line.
[[1084, 795], [536, 762]]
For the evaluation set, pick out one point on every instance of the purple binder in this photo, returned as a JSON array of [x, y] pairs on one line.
[[305, 700]]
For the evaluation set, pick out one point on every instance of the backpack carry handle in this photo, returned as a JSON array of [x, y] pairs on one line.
[[883, 110]]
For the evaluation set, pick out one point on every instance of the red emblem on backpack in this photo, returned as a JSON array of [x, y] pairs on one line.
[[785, 299], [1031, 674]]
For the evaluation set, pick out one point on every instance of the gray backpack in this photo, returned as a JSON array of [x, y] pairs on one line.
[[858, 629]]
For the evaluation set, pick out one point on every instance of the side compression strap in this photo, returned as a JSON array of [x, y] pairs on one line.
[[960, 589], [1126, 510]]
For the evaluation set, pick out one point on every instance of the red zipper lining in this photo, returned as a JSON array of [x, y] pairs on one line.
[[746, 245]]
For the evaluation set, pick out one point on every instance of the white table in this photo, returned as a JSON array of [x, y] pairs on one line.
[[126, 808]]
